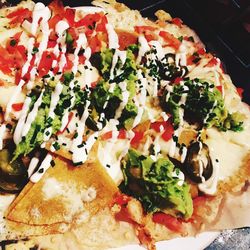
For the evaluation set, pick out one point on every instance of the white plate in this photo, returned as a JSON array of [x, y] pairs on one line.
[[189, 243]]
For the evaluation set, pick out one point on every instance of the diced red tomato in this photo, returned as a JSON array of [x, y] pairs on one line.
[[148, 32], [168, 221], [220, 88], [201, 51], [122, 134], [54, 20], [170, 39], [82, 59], [70, 16], [56, 6], [212, 62], [137, 138], [168, 133], [177, 21], [69, 64], [89, 21], [51, 44], [17, 106], [95, 44], [101, 26], [108, 135], [240, 91], [46, 63], [165, 126], [19, 15], [143, 29], [177, 80], [121, 199], [126, 39]]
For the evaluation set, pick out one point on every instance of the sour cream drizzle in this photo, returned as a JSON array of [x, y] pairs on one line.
[[46, 163], [20, 124], [112, 37], [32, 115], [53, 103], [2, 131]]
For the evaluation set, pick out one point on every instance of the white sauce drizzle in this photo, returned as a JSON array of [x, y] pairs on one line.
[[17, 137], [26, 66], [32, 166], [55, 96], [183, 154], [2, 132], [46, 163], [125, 97], [32, 115], [118, 54], [143, 48], [81, 42], [112, 37], [12, 99], [180, 176]]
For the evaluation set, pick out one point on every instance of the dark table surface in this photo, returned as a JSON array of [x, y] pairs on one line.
[[224, 27]]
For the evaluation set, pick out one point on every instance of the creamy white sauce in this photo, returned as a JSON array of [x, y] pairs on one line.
[[180, 176], [30, 47], [46, 163], [122, 55], [52, 188], [89, 9], [81, 154], [40, 12], [32, 115], [125, 98], [17, 137], [180, 57], [2, 132], [144, 47], [13, 98], [159, 50], [32, 166], [80, 43], [183, 154], [55, 96], [112, 37]]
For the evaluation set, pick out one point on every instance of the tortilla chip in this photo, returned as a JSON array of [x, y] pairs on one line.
[[59, 196]]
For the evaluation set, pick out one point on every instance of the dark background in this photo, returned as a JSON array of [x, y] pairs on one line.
[[223, 25]]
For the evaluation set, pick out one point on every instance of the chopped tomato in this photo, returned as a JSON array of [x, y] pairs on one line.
[[201, 51], [46, 63], [147, 31], [54, 20], [19, 15], [121, 199], [142, 29], [168, 133], [101, 26], [94, 44], [126, 38], [165, 126], [107, 135], [177, 21], [93, 84], [69, 63], [177, 80], [17, 77], [56, 6], [51, 44], [170, 39], [17, 106], [168, 221], [82, 59], [89, 21], [122, 134], [240, 91], [123, 215], [137, 138], [158, 126], [212, 62], [220, 88], [70, 16]]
